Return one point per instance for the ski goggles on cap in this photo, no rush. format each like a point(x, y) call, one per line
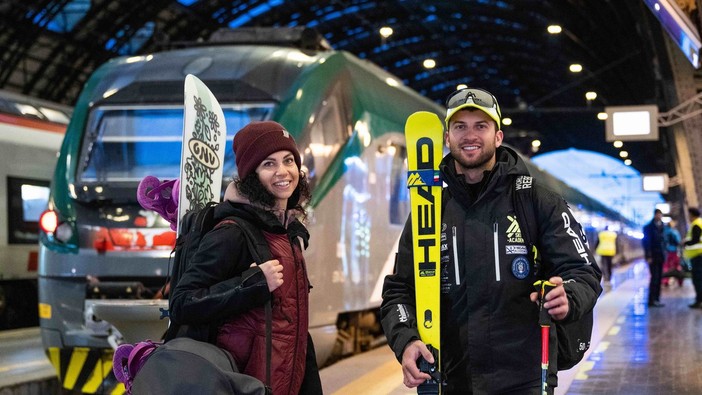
point(473, 97)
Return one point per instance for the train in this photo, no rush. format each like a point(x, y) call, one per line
point(31, 132)
point(347, 116)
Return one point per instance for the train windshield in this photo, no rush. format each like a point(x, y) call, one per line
point(125, 144)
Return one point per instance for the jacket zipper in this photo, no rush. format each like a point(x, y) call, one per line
point(297, 292)
point(455, 257)
point(497, 252)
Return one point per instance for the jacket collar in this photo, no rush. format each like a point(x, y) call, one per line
point(508, 164)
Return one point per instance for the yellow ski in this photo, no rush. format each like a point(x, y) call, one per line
point(424, 137)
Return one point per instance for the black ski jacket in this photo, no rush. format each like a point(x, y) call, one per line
point(490, 336)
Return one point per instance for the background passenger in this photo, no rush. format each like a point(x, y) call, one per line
point(693, 252)
point(654, 250)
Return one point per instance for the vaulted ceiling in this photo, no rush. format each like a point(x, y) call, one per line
point(48, 48)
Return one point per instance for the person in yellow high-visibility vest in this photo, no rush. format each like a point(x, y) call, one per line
point(693, 252)
point(606, 249)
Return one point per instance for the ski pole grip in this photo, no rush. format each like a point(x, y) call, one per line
point(543, 287)
point(430, 386)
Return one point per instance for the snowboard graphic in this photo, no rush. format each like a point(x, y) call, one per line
point(204, 138)
point(424, 137)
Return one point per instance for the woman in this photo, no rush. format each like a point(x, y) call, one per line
point(672, 266)
point(221, 295)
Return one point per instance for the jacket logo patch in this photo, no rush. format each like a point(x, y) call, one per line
point(523, 182)
point(577, 241)
point(402, 312)
point(514, 234)
point(516, 250)
point(520, 267)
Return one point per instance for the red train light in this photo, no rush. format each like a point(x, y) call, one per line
point(48, 221)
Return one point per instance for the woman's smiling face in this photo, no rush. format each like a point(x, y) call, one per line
point(279, 174)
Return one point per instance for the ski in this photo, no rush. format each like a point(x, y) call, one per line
point(202, 157)
point(424, 138)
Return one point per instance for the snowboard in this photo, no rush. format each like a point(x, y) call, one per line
point(424, 138)
point(202, 156)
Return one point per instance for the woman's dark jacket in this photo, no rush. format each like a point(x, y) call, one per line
point(490, 336)
point(221, 297)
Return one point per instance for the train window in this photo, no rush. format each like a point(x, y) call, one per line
point(129, 143)
point(28, 110)
point(27, 199)
point(54, 115)
point(399, 194)
point(326, 135)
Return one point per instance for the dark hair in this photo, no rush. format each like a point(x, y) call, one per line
point(251, 188)
point(693, 211)
point(657, 211)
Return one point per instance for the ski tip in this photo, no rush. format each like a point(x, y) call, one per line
point(424, 122)
point(424, 117)
point(191, 77)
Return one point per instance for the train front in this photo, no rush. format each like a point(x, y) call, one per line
point(98, 246)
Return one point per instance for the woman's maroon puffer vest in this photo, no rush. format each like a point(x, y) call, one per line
point(244, 336)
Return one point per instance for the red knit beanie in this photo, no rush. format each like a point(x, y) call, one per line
point(255, 141)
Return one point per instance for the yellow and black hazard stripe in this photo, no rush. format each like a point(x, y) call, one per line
point(84, 369)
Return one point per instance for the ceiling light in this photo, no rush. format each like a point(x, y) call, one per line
point(554, 29)
point(507, 121)
point(429, 63)
point(590, 95)
point(602, 116)
point(627, 162)
point(386, 31)
point(575, 68)
point(623, 154)
point(618, 144)
point(536, 143)
point(461, 86)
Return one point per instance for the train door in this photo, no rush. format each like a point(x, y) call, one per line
point(26, 199)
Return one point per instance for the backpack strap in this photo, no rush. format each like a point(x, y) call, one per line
point(260, 250)
point(258, 246)
point(523, 202)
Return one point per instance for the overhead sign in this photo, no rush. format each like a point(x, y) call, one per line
point(655, 182)
point(631, 123)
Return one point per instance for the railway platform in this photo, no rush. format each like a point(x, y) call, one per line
point(635, 350)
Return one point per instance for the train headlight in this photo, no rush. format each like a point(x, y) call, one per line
point(48, 221)
point(49, 224)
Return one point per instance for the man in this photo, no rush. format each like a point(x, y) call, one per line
point(654, 251)
point(693, 252)
point(490, 336)
point(606, 248)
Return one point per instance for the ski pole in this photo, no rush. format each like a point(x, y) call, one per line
point(542, 287)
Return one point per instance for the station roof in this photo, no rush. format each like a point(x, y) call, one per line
point(49, 48)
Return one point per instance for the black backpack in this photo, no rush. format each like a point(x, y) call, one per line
point(193, 227)
point(140, 366)
point(573, 337)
